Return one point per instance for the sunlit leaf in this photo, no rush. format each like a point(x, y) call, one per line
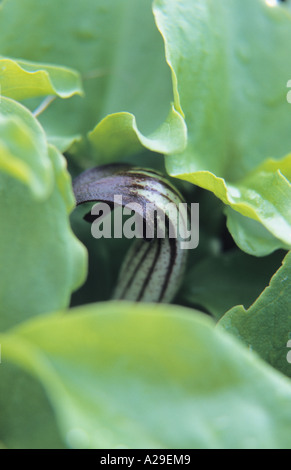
point(21, 80)
point(23, 148)
point(151, 377)
point(41, 261)
point(115, 46)
point(236, 118)
point(117, 135)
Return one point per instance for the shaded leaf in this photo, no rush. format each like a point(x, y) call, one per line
point(219, 282)
point(266, 326)
point(27, 419)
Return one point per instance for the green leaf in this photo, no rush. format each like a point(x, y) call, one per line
point(117, 135)
point(236, 118)
point(113, 44)
point(27, 419)
point(23, 148)
point(144, 376)
point(219, 282)
point(266, 326)
point(265, 195)
point(20, 80)
point(251, 236)
point(41, 261)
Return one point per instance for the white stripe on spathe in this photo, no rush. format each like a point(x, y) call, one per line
point(153, 268)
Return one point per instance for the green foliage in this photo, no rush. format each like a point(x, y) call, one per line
point(218, 282)
point(204, 83)
point(134, 376)
point(94, 38)
point(21, 80)
point(270, 315)
point(24, 153)
point(27, 418)
point(41, 261)
point(117, 135)
point(234, 103)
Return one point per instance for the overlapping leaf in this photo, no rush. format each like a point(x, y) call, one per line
point(266, 326)
point(217, 283)
point(113, 44)
point(27, 419)
point(20, 80)
point(235, 117)
point(181, 383)
point(250, 235)
point(23, 148)
point(140, 376)
point(230, 65)
point(117, 136)
point(41, 261)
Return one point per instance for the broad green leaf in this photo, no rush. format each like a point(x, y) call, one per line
point(219, 282)
point(41, 261)
point(115, 46)
point(117, 135)
point(23, 148)
point(26, 417)
point(144, 376)
point(266, 326)
point(21, 80)
point(236, 118)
